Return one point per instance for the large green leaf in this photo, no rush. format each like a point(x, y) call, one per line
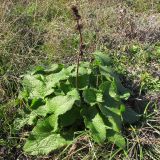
point(42, 127)
point(106, 72)
point(116, 138)
point(130, 116)
point(113, 91)
point(41, 111)
point(94, 122)
point(21, 122)
point(53, 79)
point(43, 140)
point(54, 68)
point(92, 96)
point(117, 95)
point(36, 86)
point(43, 70)
point(125, 95)
point(30, 119)
point(108, 100)
point(102, 58)
point(36, 102)
point(38, 70)
point(69, 117)
point(113, 115)
point(110, 76)
point(44, 144)
point(65, 86)
point(33, 86)
point(74, 93)
point(58, 106)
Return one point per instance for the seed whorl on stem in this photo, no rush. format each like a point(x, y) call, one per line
point(79, 27)
point(75, 12)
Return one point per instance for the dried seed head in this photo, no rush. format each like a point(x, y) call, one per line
point(83, 46)
point(79, 26)
point(78, 17)
point(76, 13)
point(74, 9)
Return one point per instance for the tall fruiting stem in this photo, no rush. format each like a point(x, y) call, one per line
point(79, 27)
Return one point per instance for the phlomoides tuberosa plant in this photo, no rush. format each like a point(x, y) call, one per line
point(61, 100)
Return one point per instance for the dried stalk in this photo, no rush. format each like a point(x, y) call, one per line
point(79, 28)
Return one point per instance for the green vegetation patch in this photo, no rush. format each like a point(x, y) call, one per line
point(57, 108)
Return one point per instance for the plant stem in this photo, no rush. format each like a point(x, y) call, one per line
point(81, 46)
point(80, 51)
